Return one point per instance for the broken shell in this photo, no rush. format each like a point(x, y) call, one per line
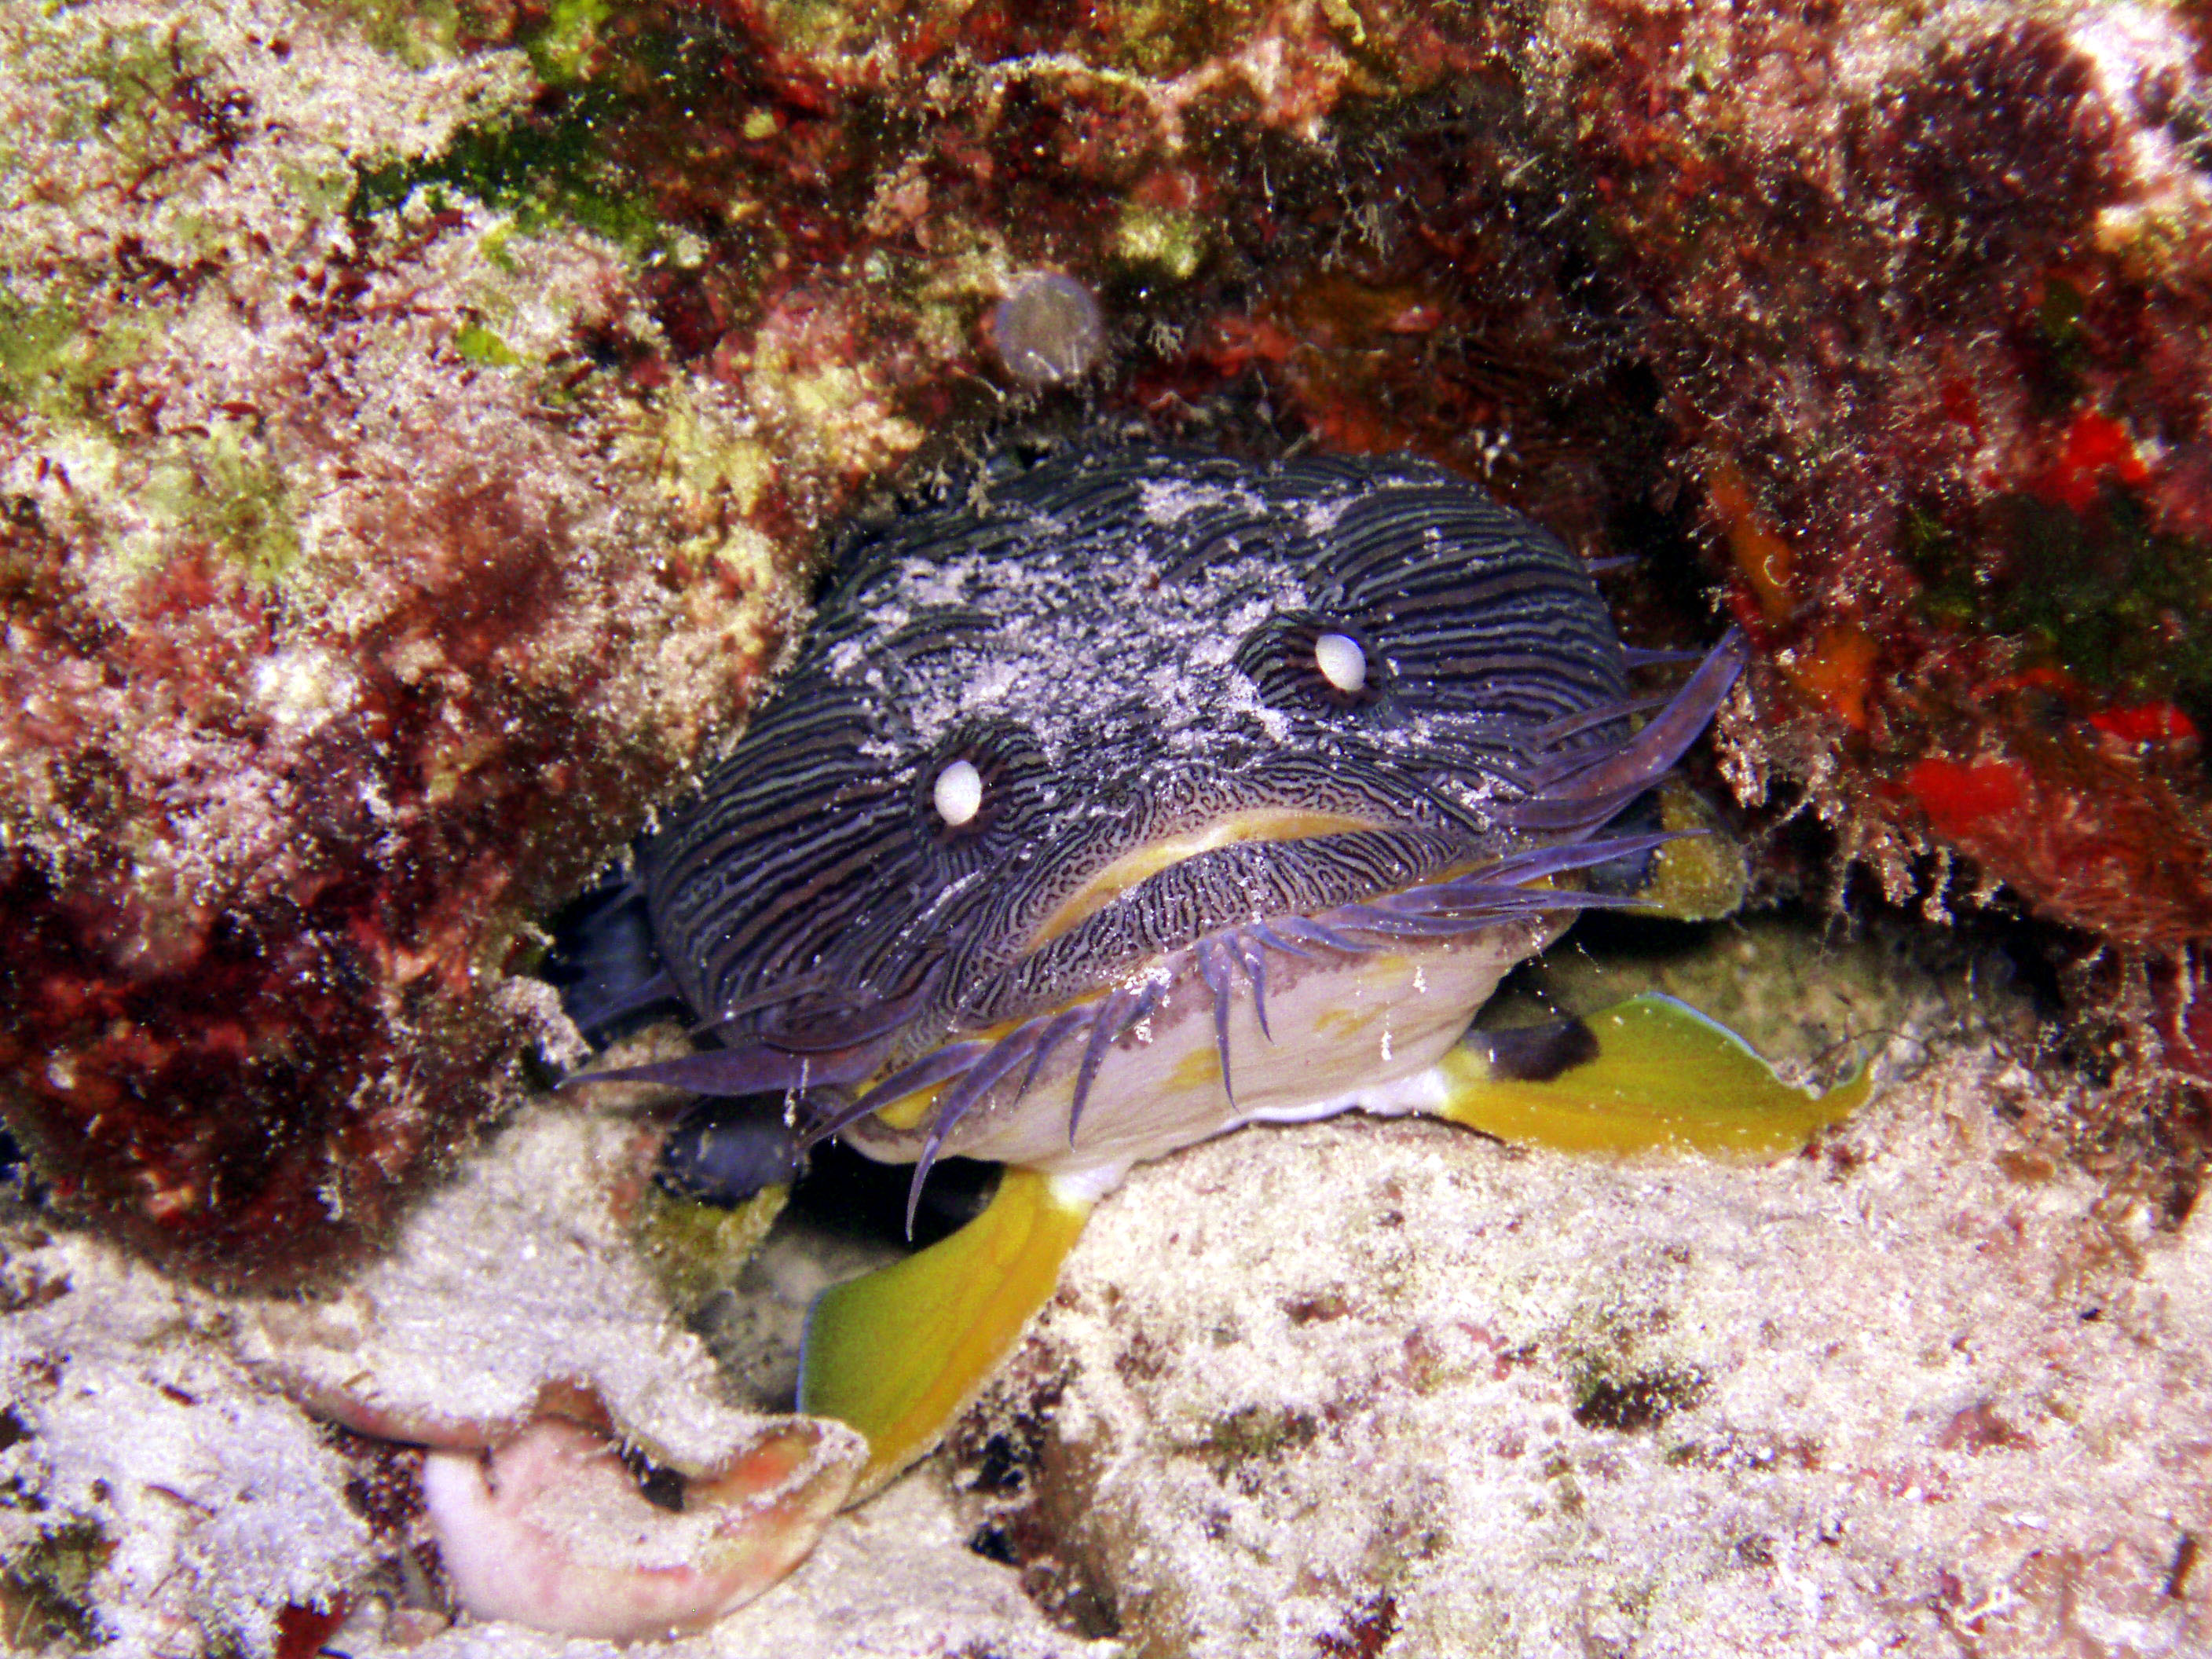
point(552, 1530)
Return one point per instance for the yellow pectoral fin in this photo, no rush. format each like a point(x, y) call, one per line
point(1651, 1073)
point(899, 1353)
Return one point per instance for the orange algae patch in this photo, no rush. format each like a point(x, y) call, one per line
point(1837, 672)
point(1762, 558)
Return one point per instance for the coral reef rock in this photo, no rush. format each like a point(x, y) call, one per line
point(1929, 315)
point(353, 607)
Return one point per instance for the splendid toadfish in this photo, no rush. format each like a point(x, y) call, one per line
point(1137, 795)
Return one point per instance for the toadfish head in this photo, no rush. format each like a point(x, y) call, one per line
point(1141, 793)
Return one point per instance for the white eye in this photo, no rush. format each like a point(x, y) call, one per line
point(1341, 662)
point(958, 795)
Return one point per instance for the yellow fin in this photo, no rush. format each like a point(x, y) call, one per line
point(1663, 1075)
point(898, 1352)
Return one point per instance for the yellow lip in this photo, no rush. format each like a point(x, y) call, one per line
point(1261, 824)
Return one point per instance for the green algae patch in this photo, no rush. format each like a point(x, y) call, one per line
point(1159, 242)
point(2091, 587)
point(56, 350)
point(1651, 1073)
point(829, 29)
point(122, 94)
point(547, 174)
point(2117, 603)
point(562, 52)
point(695, 1250)
point(225, 490)
point(587, 153)
point(35, 348)
point(418, 33)
point(1166, 37)
point(46, 1590)
point(480, 345)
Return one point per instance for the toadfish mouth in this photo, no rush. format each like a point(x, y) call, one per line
point(1282, 1016)
point(1133, 869)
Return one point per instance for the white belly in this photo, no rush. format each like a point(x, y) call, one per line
point(1345, 1030)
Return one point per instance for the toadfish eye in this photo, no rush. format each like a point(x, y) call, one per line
point(1341, 662)
point(1306, 664)
point(958, 795)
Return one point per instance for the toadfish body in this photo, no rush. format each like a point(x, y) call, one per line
point(1126, 797)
